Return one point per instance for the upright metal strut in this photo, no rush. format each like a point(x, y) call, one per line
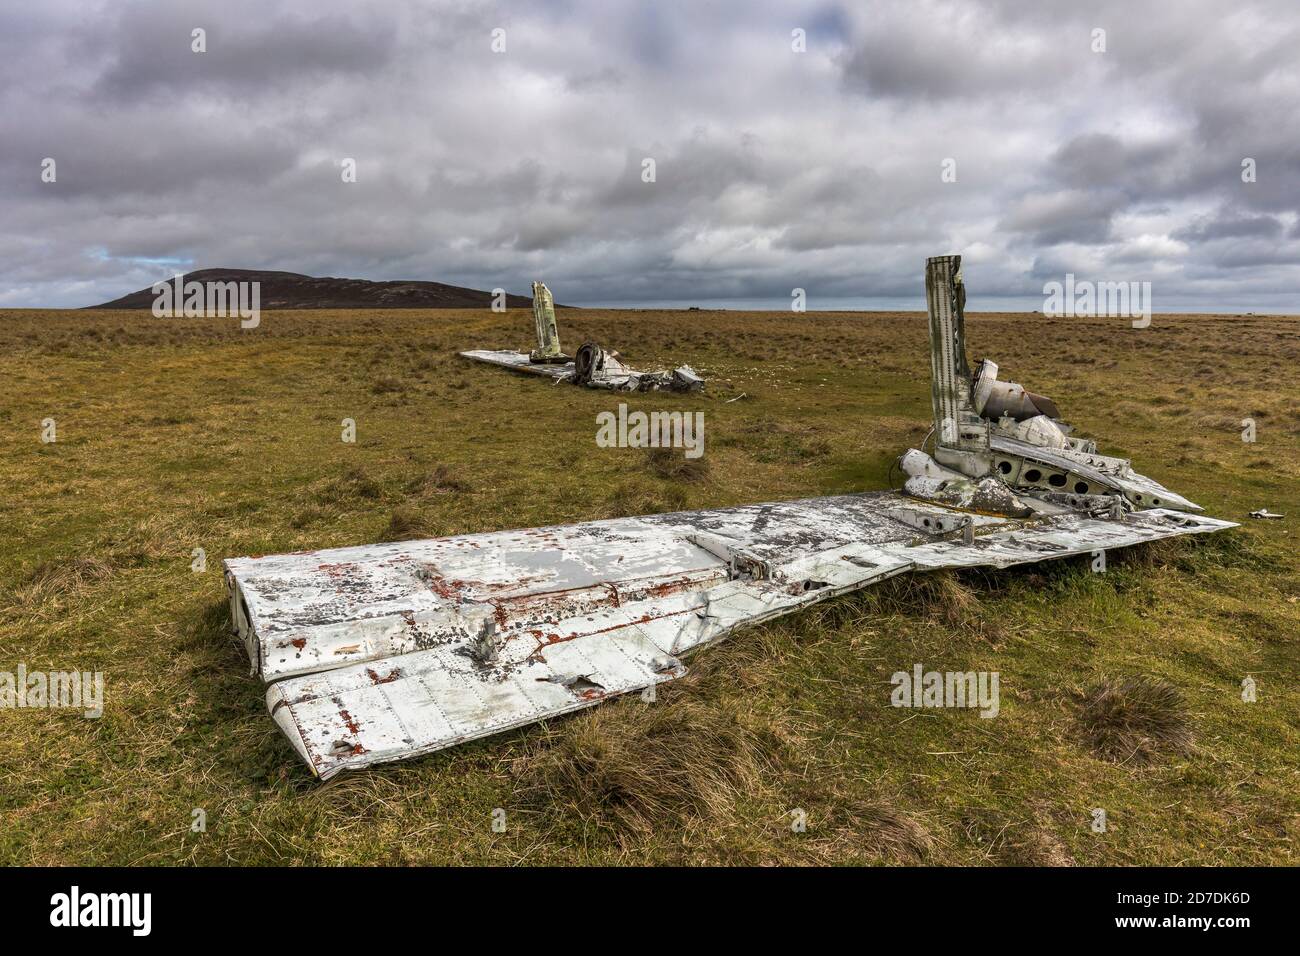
point(950, 375)
point(548, 336)
point(959, 429)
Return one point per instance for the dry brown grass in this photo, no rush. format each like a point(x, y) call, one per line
point(1036, 845)
point(62, 579)
point(441, 480)
point(672, 465)
point(946, 598)
point(1135, 719)
point(639, 766)
point(408, 523)
point(877, 829)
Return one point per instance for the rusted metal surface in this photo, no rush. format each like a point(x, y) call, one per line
point(389, 651)
point(375, 653)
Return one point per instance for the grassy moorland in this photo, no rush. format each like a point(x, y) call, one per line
point(176, 434)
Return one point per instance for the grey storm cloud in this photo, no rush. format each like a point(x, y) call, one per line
point(774, 169)
point(150, 51)
point(1228, 225)
point(1082, 216)
point(934, 52)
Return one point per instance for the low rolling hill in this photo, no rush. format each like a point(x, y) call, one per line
point(291, 290)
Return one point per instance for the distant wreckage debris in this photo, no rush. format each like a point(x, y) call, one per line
point(592, 365)
point(386, 652)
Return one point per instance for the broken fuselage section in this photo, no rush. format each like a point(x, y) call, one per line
point(592, 366)
point(385, 652)
point(1000, 448)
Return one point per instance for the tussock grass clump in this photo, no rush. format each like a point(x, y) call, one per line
point(638, 767)
point(408, 524)
point(773, 441)
point(62, 578)
point(938, 596)
point(946, 598)
point(386, 385)
point(673, 465)
point(440, 481)
point(1011, 839)
point(642, 497)
point(1135, 719)
point(1150, 555)
point(895, 834)
point(884, 830)
point(1036, 845)
point(352, 484)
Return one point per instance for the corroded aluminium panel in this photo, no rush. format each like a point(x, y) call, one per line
point(384, 657)
point(520, 362)
point(403, 706)
point(1098, 471)
point(317, 610)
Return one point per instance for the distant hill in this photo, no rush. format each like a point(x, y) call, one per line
point(289, 290)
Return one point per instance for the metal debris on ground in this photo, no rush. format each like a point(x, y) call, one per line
point(385, 652)
point(592, 365)
point(997, 438)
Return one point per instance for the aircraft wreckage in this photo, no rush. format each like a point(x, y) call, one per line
point(592, 365)
point(385, 652)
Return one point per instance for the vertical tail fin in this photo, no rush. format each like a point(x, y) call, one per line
point(956, 423)
point(548, 336)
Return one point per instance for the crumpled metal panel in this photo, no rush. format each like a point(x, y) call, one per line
point(612, 375)
point(376, 654)
point(319, 610)
point(520, 362)
point(1098, 471)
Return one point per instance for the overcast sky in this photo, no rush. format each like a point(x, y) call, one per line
point(774, 169)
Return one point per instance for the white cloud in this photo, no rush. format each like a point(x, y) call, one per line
point(775, 168)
